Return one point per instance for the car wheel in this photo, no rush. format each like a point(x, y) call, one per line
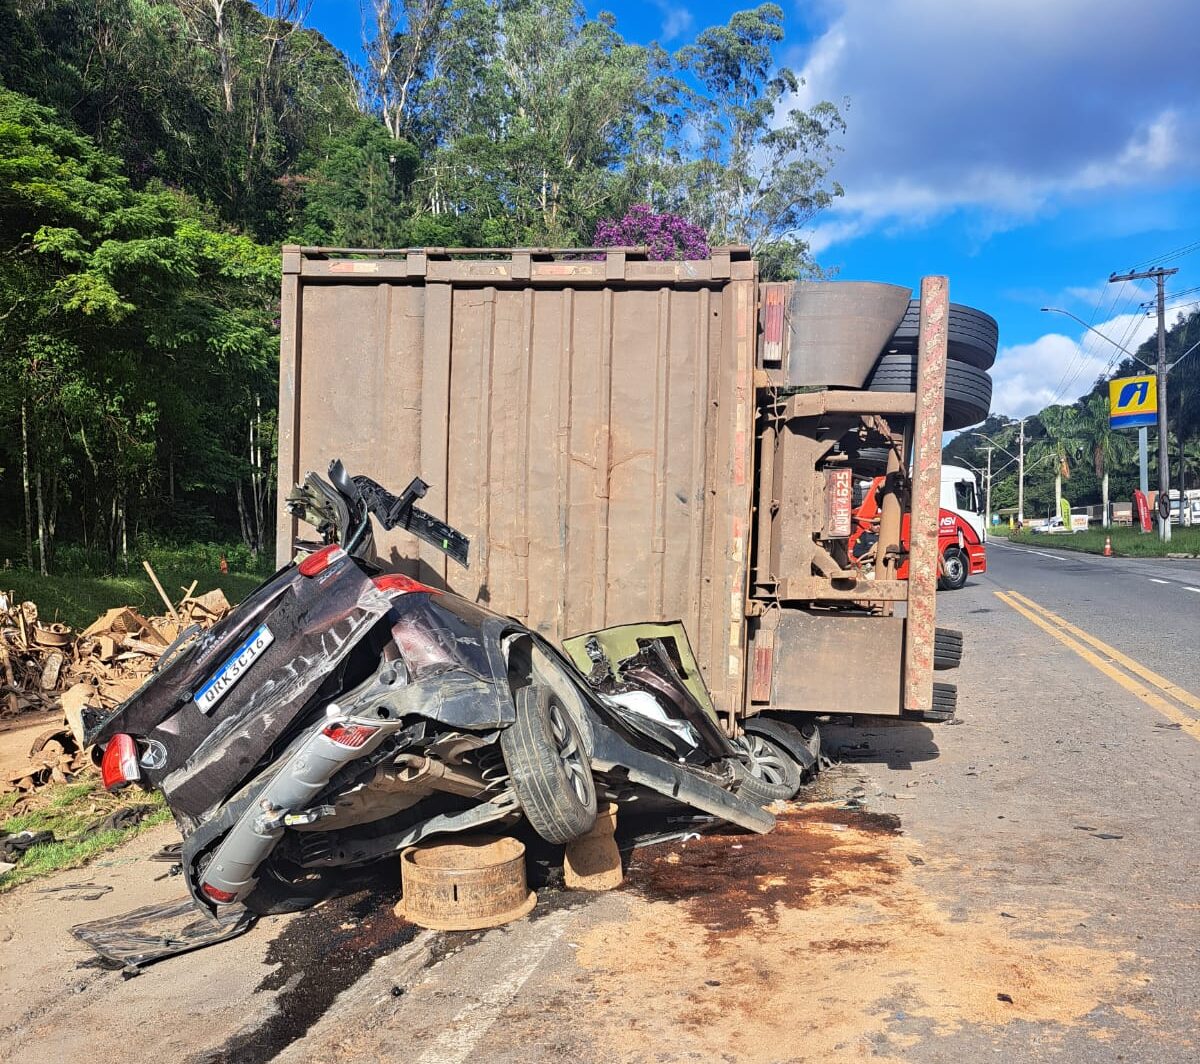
point(955, 569)
point(771, 774)
point(549, 767)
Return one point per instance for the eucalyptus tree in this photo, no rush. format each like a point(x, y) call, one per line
point(760, 169)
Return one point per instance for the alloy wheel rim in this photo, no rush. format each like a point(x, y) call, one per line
point(566, 742)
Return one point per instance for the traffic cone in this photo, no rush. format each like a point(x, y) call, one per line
point(1108, 546)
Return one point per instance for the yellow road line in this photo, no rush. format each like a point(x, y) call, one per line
point(1136, 667)
point(1186, 723)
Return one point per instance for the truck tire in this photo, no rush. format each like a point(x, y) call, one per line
point(945, 703)
point(972, 336)
point(947, 648)
point(872, 460)
point(549, 767)
point(968, 388)
point(955, 569)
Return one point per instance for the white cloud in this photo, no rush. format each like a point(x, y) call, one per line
point(1056, 368)
point(1003, 106)
point(676, 20)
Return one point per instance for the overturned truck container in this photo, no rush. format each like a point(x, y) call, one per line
point(628, 441)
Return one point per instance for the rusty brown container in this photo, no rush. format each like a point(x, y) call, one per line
point(466, 884)
point(586, 419)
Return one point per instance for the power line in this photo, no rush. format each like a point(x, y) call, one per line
point(1169, 256)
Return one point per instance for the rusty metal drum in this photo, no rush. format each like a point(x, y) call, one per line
point(467, 884)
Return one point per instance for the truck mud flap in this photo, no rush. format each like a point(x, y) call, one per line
point(155, 932)
point(611, 752)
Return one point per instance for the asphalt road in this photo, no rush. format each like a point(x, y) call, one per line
point(1021, 886)
point(1146, 607)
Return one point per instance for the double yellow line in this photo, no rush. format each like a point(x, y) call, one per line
point(1115, 665)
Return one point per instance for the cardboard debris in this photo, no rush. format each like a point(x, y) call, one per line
point(50, 667)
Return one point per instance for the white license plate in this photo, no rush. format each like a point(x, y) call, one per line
point(234, 669)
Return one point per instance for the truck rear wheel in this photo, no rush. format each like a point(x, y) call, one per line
point(955, 569)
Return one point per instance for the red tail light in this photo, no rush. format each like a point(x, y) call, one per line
point(399, 584)
point(120, 767)
point(351, 735)
point(320, 560)
point(218, 895)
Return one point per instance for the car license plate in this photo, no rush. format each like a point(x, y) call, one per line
point(234, 669)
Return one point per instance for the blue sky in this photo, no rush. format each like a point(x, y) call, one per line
point(1026, 148)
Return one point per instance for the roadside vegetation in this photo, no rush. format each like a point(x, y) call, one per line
point(155, 154)
point(85, 820)
point(85, 586)
point(1072, 452)
point(1126, 542)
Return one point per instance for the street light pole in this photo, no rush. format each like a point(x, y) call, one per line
point(1021, 476)
point(1164, 458)
point(987, 506)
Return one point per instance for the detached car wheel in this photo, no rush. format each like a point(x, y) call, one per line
point(955, 569)
point(549, 766)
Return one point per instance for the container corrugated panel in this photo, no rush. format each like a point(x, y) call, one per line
point(588, 424)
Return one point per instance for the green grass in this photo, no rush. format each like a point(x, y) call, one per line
point(1126, 542)
point(71, 811)
point(78, 600)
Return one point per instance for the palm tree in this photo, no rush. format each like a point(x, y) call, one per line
point(1109, 447)
point(1064, 439)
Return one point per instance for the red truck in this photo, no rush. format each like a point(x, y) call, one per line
point(962, 536)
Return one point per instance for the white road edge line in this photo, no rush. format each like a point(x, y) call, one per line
point(1188, 587)
point(469, 1026)
point(1153, 580)
point(1027, 550)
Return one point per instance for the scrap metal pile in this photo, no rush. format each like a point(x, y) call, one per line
point(48, 667)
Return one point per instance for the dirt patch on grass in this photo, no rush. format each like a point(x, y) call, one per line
point(818, 942)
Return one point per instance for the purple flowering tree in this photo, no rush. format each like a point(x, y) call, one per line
point(667, 236)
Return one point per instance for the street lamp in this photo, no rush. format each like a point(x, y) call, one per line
point(1020, 460)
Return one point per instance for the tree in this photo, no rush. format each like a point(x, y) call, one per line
point(763, 168)
point(399, 37)
point(667, 236)
point(1062, 443)
point(118, 306)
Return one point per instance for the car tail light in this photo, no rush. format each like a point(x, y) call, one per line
point(119, 766)
point(399, 584)
point(317, 562)
point(218, 895)
point(351, 735)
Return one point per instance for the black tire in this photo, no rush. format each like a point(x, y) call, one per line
point(968, 388)
point(972, 336)
point(870, 459)
point(773, 773)
point(549, 767)
point(947, 648)
point(955, 570)
point(945, 702)
point(284, 887)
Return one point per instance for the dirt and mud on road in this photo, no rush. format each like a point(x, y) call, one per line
point(1017, 887)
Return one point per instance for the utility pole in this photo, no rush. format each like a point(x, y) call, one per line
point(987, 506)
point(1021, 476)
point(1164, 458)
